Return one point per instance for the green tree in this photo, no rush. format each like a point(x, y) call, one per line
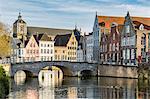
point(4, 83)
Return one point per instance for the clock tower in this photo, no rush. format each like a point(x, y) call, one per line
point(20, 28)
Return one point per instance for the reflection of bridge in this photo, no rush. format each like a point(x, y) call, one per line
point(68, 68)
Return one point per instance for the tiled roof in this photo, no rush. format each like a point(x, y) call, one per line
point(45, 38)
point(62, 40)
point(48, 31)
point(137, 25)
point(120, 27)
point(108, 20)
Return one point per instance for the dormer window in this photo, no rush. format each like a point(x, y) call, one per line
point(127, 29)
point(141, 27)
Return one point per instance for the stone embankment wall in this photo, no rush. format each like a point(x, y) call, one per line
point(118, 71)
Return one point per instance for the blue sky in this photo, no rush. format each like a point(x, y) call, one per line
point(67, 13)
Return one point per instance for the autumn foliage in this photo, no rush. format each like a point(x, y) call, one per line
point(5, 41)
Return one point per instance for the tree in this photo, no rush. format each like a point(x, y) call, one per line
point(5, 41)
point(4, 83)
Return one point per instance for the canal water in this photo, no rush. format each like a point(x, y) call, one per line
point(52, 87)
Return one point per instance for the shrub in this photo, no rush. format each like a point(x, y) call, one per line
point(4, 83)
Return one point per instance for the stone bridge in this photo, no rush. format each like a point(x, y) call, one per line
point(68, 68)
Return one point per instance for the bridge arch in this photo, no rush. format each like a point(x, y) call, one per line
point(66, 71)
point(86, 72)
point(27, 73)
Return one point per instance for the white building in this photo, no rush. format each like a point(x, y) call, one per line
point(80, 54)
point(89, 48)
point(46, 47)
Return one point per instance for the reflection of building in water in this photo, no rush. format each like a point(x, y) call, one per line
point(77, 92)
point(48, 79)
point(51, 77)
point(21, 94)
point(113, 92)
point(17, 95)
point(20, 77)
point(72, 93)
point(46, 93)
point(32, 94)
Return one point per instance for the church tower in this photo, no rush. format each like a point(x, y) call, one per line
point(20, 28)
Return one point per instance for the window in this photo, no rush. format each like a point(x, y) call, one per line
point(44, 51)
point(132, 54)
point(51, 51)
point(41, 50)
point(63, 51)
point(41, 45)
point(113, 57)
point(37, 51)
point(34, 45)
point(114, 47)
point(124, 53)
point(31, 45)
point(56, 57)
point(117, 47)
point(113, 36)
point(55, 51)
point(143, 39)
point(19, 51)
point(128, 53)
point(110, 48)
point(47, 51)
point(105, 48)
point(21, 28)
point(44, 45)
point(47, 45)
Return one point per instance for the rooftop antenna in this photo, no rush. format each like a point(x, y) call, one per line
point(75, 26)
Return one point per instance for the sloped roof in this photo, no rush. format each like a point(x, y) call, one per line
point(137, 25)
point(62, 40)
point(120, 27)
point(108, 20)
point(36, 39)
point(19, 21)
point(45, 38)
point(48, 31)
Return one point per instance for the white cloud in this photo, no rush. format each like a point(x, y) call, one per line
point(64, 13)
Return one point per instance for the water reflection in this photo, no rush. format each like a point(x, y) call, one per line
point(20, 77)
point(51, 78)
point(73, 88)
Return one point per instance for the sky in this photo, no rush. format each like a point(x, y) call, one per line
point(68, 13)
